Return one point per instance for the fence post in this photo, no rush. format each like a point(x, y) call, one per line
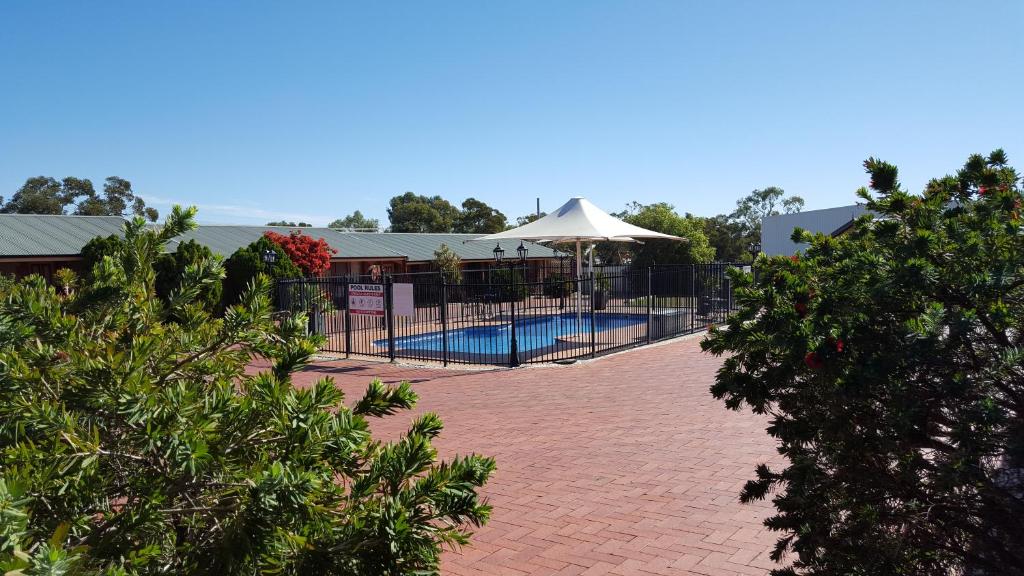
point(693, 297)
point(650, 304)
point(348, 323)
point(513, 351)
point(389, 314)
point(444, 320)
point(593, 327)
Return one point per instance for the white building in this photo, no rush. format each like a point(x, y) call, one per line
point(776, 230)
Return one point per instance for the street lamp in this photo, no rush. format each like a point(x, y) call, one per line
point(522, 251)
point(269, 256)
point(499, 257)
point(755, 249)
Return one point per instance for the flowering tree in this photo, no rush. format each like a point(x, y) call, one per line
point(890, 361)
point(311, 255)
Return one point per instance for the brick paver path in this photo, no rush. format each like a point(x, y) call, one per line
point(622, 465)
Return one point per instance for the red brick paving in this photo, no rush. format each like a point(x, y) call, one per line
point(622, 465)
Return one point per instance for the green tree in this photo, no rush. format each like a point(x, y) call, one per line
point(729, 238)
point(757, 205)
point(662, 217)
point(172, 267)
point(130, 444)
point(356, 221)
point(448, 263)
point(414, 213)
point(889, 360)
point(242, 267)
point(117, 198)
point(477, 217)
point(523, 220)
point(96, 249)
point(289, 224)
point(45, 195)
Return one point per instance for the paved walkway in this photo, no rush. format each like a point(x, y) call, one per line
point(622, 465)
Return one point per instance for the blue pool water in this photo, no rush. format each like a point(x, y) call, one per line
point(531, 334)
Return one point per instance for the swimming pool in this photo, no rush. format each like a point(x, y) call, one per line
point(532, 333)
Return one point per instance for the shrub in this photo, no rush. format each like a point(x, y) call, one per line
point(246, 263)
point(312, 256)
point(448, 263)
point(889, 360)
point(94, 251)
point(559, 285)
point(134, 445)
point(509, 284)
point(171, 268)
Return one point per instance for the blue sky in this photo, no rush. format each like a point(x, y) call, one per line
point(304, 110)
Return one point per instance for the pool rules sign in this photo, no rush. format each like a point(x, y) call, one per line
point(366, 299)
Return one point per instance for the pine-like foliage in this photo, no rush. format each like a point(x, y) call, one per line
point(448, 263)
point(890, 361)
point(130, 444)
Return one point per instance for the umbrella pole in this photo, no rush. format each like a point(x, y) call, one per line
point(579, 278)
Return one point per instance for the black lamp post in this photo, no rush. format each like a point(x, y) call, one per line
point(499, 255)
point(269, 256)
point(755, 249)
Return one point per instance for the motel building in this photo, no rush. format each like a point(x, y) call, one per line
point(42, 244)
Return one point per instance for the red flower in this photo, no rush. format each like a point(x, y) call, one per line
point(795, 257)
point(801, 309)
point(814, 360)
point(982, 190)
point(312, 256)
point(840, 345)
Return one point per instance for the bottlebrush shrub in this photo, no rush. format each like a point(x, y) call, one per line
point(312, 255)
point(896, 392)
point(134, 445)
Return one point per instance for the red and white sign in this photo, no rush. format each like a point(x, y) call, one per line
point(366, 299)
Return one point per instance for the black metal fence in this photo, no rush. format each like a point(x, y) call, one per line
point(508, 316)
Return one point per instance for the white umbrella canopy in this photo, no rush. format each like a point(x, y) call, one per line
point(578, 219)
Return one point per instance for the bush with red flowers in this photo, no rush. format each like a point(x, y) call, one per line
point(897, 398)
point(814, 360)
point(312, 255)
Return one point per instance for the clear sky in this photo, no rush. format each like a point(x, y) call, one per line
point(302, 110)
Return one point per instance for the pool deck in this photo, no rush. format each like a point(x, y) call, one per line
point(620, 465)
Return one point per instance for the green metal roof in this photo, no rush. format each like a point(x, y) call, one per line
point(224, 240)
point(420, 247)
point(51, 234)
